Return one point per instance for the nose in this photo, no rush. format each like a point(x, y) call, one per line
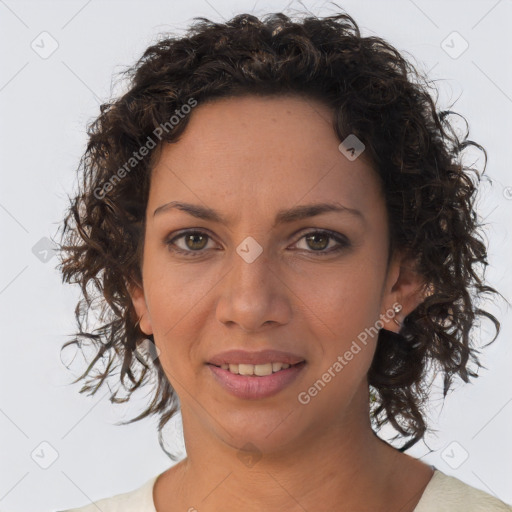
point(253, 295)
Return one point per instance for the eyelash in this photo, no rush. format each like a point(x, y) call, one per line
point(342, 241)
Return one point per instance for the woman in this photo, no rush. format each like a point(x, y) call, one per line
point(283, 233)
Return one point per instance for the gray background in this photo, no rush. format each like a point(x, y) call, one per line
point(46, 102)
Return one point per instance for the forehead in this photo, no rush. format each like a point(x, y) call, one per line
point(251, 151)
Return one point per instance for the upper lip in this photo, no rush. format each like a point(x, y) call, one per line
point(260, 357)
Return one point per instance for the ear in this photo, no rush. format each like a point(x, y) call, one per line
point(138, 298)
point(404, 290)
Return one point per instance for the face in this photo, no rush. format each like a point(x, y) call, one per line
point(250, 277)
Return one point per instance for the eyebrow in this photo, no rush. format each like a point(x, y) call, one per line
point(282, 217)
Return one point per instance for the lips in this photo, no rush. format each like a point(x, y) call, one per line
point(257, 380)
point(255, 358)
point(252, 387)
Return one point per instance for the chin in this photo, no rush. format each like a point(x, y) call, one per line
point(259, 429)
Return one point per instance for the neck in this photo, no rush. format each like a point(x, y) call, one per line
point(341, 468)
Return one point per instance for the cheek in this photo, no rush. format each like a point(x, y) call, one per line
point(346, 337)
point(347, 303)
point(175, 298)
point(175, 289)
point(347, 297)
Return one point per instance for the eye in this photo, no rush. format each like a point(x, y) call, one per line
point(318, 242)
point(193, 241)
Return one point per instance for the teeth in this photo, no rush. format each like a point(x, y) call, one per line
point(276, 367)
point(246, 369)
point(260, 370)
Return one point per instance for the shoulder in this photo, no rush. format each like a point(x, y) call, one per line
point(449, 494)
point(137, 500)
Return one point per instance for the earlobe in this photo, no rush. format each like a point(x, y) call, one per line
point(141, 309)
point(397, 307)
point(404, 293)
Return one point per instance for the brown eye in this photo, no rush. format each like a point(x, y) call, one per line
point(191, 243)
point(195, 241)
point(318, 242)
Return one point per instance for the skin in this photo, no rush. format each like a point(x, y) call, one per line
point(247, 158)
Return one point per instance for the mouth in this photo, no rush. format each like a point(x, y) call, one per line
point(255, 382)
point(253, 375)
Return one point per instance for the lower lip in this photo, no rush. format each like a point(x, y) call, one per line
point(250, 387)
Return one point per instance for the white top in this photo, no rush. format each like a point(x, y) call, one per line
point(443, 493)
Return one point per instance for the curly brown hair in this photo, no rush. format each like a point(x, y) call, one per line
point(376, 95)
